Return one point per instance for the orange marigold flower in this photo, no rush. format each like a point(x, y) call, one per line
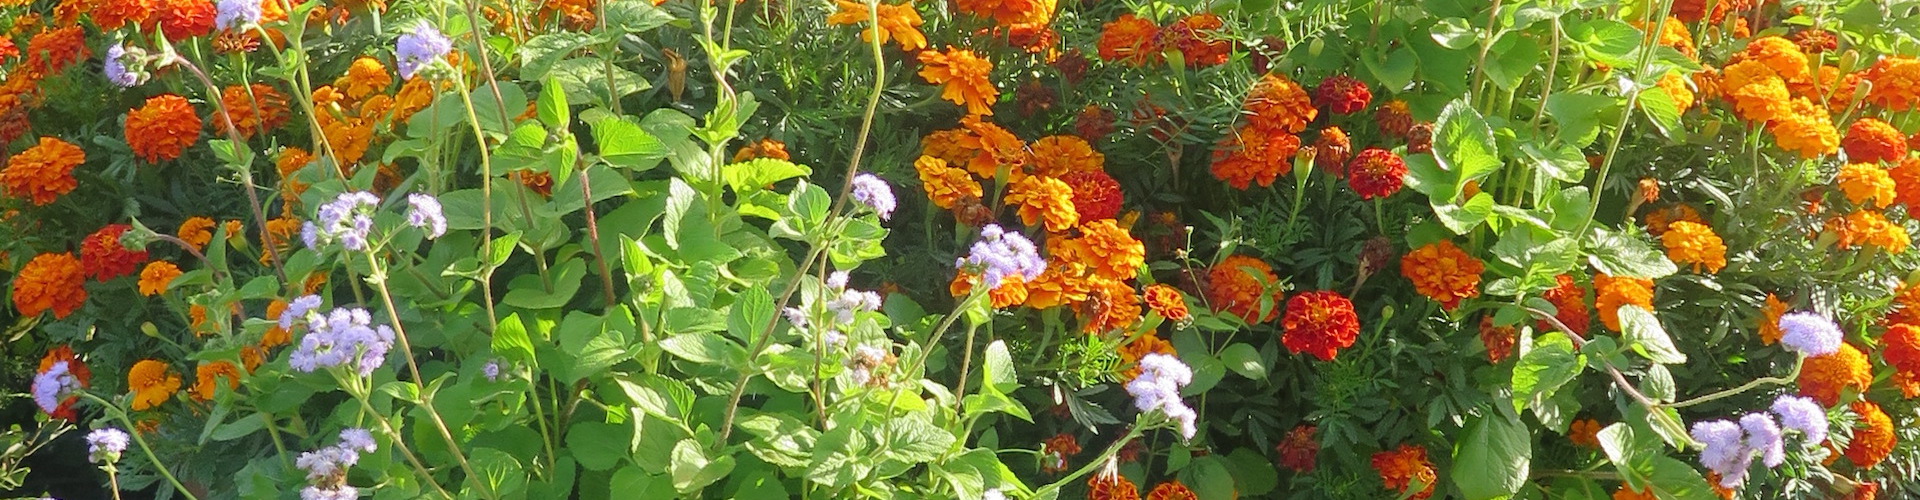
point(1659, 219)
point(945, 185)
point(1778, 54)
point(1896, 83)
point(1299, 451)
point(1111, 487)
point(985, 148)
point(207, 379)
point(1107, 249)
point(1867, 228)
point(1058, 449)
point(1063, 283)
point(1395, 118)
point(1611, 293)
point(1011, 292)
point(1906, 305)
point(1319, 323)
point(1673, 33)
point(1044, 198)
point(44, 172)
point(899, 22)
point(1376, 173)
point(1011, 12)
point(1332, 151)
point(1770, 320)
point(1167, 301)
point(1906, 183)
point(1873, 439)
point(75, 367)
point(1131, 353)
point(1059, 155)
point(1585, 433)
point(1626, 493)
point(275, 336)
point(156, 277)
point(252, 356)
point(1244, 286)
point(50, 282)
point(1403, 468)
point(1173, 489)
point(1497, 339)
point(1676, 86)
point(1866, 185)
point(1570, 305)
point(1253, 154)
point(1908, 382)
point(1692, 243)
point(1871, 141)
point(152, 383)
point(350, 138)
point(1095, 195)
point(1198, 38)
point(763, 148)
point(1691, 11)
point(182, 19)
point(52, 51)
point(965, 78)
point(1130, 39)
point(105, 258)
point(1443, 272)
point(1902, 351)
point(1806, 129)
point(1343, 94)
point(1277, 103)
point(254, 108)
point(572, 14)
point(279, 236)
point(1815, 40)
point(365, 77)
point(162, 128)
point(1111, 305)
point(111, 16)
point(1824, 378)
point(1761, 101)
point(196, 231)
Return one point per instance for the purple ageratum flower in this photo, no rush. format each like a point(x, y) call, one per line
point(326, 462)
point(1726, 451)
point(1157, 388)
point(53, 386)
point(347, 219)
point(336, 492)
point(234, 14)
point(875, 193)
point(1802, 414)
point(345, 337)
point(105, 445)
point(358, 439)
point(297, 310)
point(999, 254)
point(1809, 333)
point(423, 211)
point(1763, 436)
point(116, 67)
point(491, 370)
point(420, 47)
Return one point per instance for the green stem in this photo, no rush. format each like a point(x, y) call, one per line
point(966, 365)
point(379, 279)
point(1620, 130)
point(1097, 462)
point(400, 443)
point(134, 430)
point(1756, 383)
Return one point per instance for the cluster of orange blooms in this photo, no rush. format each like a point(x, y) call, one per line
point(1403, 468)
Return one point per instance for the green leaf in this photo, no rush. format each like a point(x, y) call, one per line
point(635, 17)
point(661, 397)
point(1559, 161)
point(599, 445)
point(1425, 176)
point(1665, 112)
point(1463, 143)
point(510, 340)
point(529, 294)
point(624, 144)
point(780, 439)
point(1455, 33)
point(1514, 57)
point(1643, 331)
point(1243, 359)
point(1464, 217)
point(1676, 480)
point(705, 348)
point(239, 428)
point(998, 371)
point(539, 54)
point(758, 173)
point(1606, 41)
point(692, 470)
point(1210, 478)
point(1550, 364)
point(1492, 459)
point(751, 313)
point(552, 106)
point(913, 440)
point(1630, 452)
point(585, 79)
point(1622, 256)
point(1579, 116)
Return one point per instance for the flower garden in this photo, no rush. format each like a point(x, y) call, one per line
point(975, 249)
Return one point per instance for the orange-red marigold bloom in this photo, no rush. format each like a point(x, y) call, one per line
point(1585, 432)
point(1252, 154)
point(155, 278)
point(105, 258)
point(44, 172)
point(1825, 378)
point(1867, 185)
point(1239, 284)
point(1870, 140)
point(1611, 293)
point(1319, 323)
point(196, 231)
point(1111, 487)
point(1095, 195)
point(1497, 339)
point(1395, 118)
point(183, 19)
point(1906, 182)
point(1278, 103)
point(945, 185)
point(50, 282)
point(1166, 300)
point(965, 78)
point(1376, 173)
point(897, 22)
point(1059, 448)
point(1896, 83)
point(1443, 272)
point(1332, 151)
point(264, 110)
point(51, 51)
point(1059, 155)
point(1902, 351)
point(1198, 38)
point(1173, 489)
point(1130, 39)
point(152, 383)
point(1299, 451)
point(1570, 305)
point(1107, 249)
point(207, 379)
point(1806, 129)
point(763, 148)
point(1873, 439)
point(1770, 320)
point(1401, 469)
point(162, 128)
point(1343, 94)
point(114, 15)
point(1044, 199)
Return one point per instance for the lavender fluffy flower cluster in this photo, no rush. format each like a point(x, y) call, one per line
point(845, 302)
point(53, 386)
point(424, 212)
point(347, 219)
point(104, 445)
point(345, 337)
point(870, 190)
point(115, 67)
point(327, 467)
point(866, 358)
point(420, 47)
point(1000, 254)
point(1158, 388)
point(234, 14)
point(1809, 333)
point(1731, 447)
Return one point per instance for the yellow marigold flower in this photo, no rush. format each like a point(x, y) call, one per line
point(1044, 198)
point(1107, 249)
point(207, 379)
point(162, 128)
point(1824, 378)
point(155, 278)
point(965, 78)
point(1806, 129)
point(236, 232)
point(1896, 83)
point(1111, 305)
point(1866, 185)
point(1240, 284)
point(152, 384)
point(1676, 87)
point(1867, 228)
point(196, 231)
point(1278, 103)
point(1770, 320)
point(1443, 272)
point(1059, 155)
point(1693, 243)
point(896, 22)
point(44, 172)
point(364, 78)
point(945, 185)
point(1611, 293)
point(197, 319)
point(1761, 101)
point(50, 282)
point(1779, 54)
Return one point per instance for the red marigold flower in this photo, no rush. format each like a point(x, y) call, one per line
point(76, 368)
point(1332, 151)
point(1376, 173)
point(1112, 486)
point(1585, 432)
point(1443, 272)
point(1299, 451)
point(1570, 305)
point(1131, 40)
point(1093, 123)
point(1073, 67)
point(1896, 83)
point(1173, 489)
point(1197, 38)
point(1033, 98)
point(1824, 378)
point(105, 258)
point(1095, 195)
point(1499, 340)
point(1420, 138)
point(1869, 140)
point(1402, 468)
point(50, 282)
point(1873, 439)
point(51, 51)
point(8, 50)
point(1902, 350)
point(162, 128)
point(43, 172)
point(1319, 323)
point(1906, 305)
point(1166, 301)
point(1815, 40)
point(114, 15)
point(1239, 284)
point(182, 19)
point(1691, 11)
point(1627, 493)
point(1395, 118)
point(1058, 449)
point(1343, 94)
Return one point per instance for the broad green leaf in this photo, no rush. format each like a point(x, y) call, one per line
point(1209, 478)
point(1643, 331)
point(1425, 176)
point(751, 313)
point(1622, 256)
point(1579, 116)
point(1492, 459)
point(1606, 41)
point(539, 54)
point(240, 427)
point(527, 291)
point(598, 445)
point(1243, 359)
point(552, 107)
point(1455, 33)
point(705, 348)
point(510, 340)
point(1465, 217)
point(585, 79)
point(759, 173)
point(661, 397)
point(1464, 144)
point(1514, 57)
point(625, 144)
point(1551, 363)
point(1664, 111)
point(1676, 480)
point(998, 370)
point(1559, 161)
point(912, 440)
point(693, 470)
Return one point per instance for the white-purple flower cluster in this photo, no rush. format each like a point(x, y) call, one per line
point(1802, 414)
point(236, 14)
point(869, 189)
point(865, 359)
point(423, 211)
point(104, 445)
point(327, 467)
point(53, 386)
point(1809, 333)
point(347, 219)
point(491, 370)
point(345, 337)
point(115, 66)
point(993, 494)
point(420, 47)
point(844, 303)
point(1000, 254)
point(297, 310)
point(1158, 388)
